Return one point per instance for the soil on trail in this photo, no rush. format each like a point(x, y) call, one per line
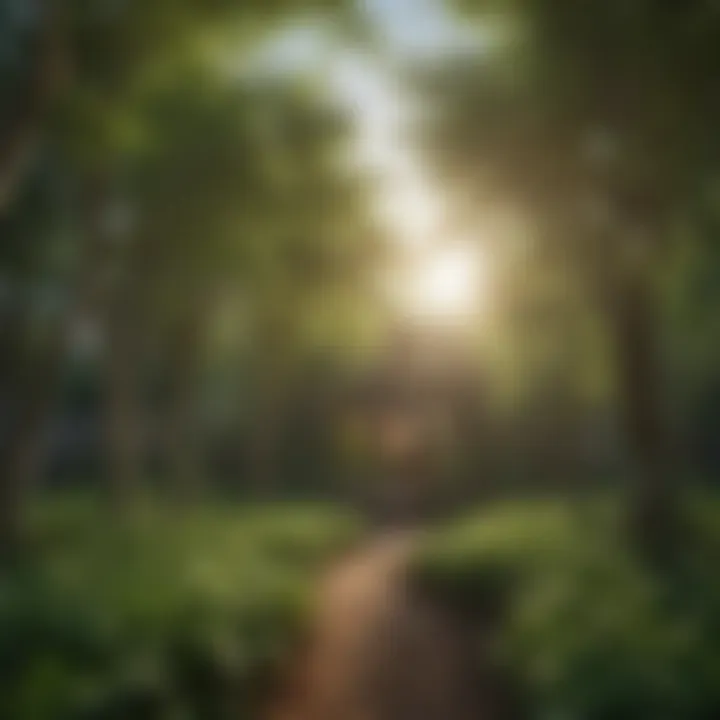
point(377, 651)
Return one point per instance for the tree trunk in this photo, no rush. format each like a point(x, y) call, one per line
point(184, 444)
point(32, 379)
point(643, 419)
point(32, 385)
point(263, 466)
point(123, 419)
point(28, 403)
point(272, 344)
point(31, 389)
point(112, 295)
point(46, 77)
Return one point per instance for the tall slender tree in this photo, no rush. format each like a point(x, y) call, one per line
point(598, 121)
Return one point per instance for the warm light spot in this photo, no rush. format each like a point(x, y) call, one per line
point(444, 285)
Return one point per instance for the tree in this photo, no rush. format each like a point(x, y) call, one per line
point(34, 78)
point(74, 91)
point(602, 131)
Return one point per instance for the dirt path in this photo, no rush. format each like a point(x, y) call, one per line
point(378, 652)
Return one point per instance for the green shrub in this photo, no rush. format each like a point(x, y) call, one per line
point(171, 616)
point(588, 630)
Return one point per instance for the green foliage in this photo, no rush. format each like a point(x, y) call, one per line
point(170, 616)
point(589, 631)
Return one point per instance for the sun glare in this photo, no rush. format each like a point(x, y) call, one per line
point(445, 285)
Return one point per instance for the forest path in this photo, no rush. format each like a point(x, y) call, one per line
point(379, 652)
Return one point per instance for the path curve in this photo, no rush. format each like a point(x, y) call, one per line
point(377, 651)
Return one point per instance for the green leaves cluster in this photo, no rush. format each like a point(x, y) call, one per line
point(586, 628)
point(175, 616)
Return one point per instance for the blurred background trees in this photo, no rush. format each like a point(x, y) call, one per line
point(597, 124)
point(404, 252)
point(192, 230)
point(183, 192)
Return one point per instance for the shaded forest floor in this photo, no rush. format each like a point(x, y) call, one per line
point(519, 611)
point(379, 648)
point(211, 613)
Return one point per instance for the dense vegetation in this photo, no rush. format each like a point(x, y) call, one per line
point(170, 616)
point(402, 256)
point(582, 624)
point(196, 614)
